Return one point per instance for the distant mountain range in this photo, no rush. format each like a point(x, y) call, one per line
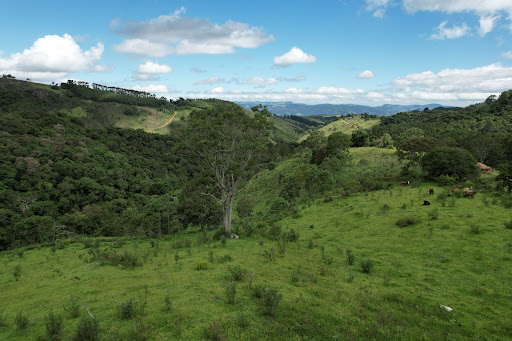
point(290, 108)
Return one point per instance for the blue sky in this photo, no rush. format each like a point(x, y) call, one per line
point(374, 52)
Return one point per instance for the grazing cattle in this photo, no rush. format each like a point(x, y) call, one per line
point(456, 189)
point(470, 194)
point(425, 203)
point(405, 183)
point(430, 191)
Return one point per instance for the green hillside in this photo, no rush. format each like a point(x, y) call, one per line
point(347, 125)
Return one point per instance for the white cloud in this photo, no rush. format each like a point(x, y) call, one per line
point(197, 70)
point(379, 13)
point(52, 57)
point(261, 81)
point(173, 34)
point(453, 32)
point(294, 79)
point(151, 88)
point(218, 90)
point(293, 91)
point(507, 54)
point(467, 85)
point(294, 56)
point(379, 6)
point(339, 91)
point(367, 74)
point(210, 81)
point(487, 24)
point(153, 68)
point(144, 47)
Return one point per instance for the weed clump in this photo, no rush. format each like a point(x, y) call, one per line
point(406, 221)
point(350, 257)
point(474, 228)
point(367, 266)
point(17, 272)
point(270, 298)
point(126, 309)
point(236, 273)
point(53, 326)
point(225, 258)
point(87, 330)
point(508, 225)
point(21, 321)
point(433, 214)
point(72, 307)
point(201, 265)
point(231, 292)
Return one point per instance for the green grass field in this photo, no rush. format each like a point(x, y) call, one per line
point(345, 128)
point(456, 253)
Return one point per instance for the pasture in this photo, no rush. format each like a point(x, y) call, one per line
point(406, 261)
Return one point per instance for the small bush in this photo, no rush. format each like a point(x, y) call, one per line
point(508, 224)
point(21, 321)
point(474, 228)
point(217, 331)
point(17, 272)
point(367, 266)
point(72, 307)
point(350, 257)
point(87, 330)
point(406, 221)
point(201, 265)
point(167, 303)
point(291, 236)
point(433, 214)
point(242, 320)
point(126, 310)
point(236, 273)
point(350, 278)
point(231, 292)
point(53, 326)
point(271, 298)
point(225, 258)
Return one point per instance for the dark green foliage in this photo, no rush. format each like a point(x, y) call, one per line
point(72, 307)
point(360, 138)
point(236, 273)
point(87, 330)
point(291, 236)
point(278, 205)
point(449, 161)
point(350, 257)
point(167, 303)
point(53, 323)
point(270, 298)
point(367, 266)
point(126, 310)
point(406, 221)
point(231, 292)
point(225, 258)
point(17, 272)
point(508, 224)
point(21, 321)
point(474, 228)
point(217, 331)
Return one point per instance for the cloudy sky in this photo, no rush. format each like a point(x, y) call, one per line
point(453, 52)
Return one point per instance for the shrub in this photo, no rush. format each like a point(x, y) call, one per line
point(237, 273)
point(225, 258)
point(53, 326)
point(216, 331)
point(433, 214)
point(231, 292)
point(167, 303)
point(508, 224)
point(291, 236)
point(126, 310)
point(271, 298)
point(350, 257)
point(278, 205)
point(21, 321)
point(406, 221)
point(367, 266)
point(87, 330)
point(72, 307)
point(201, 265)
point(17, 272)
point(474, 228)
point(242, 319)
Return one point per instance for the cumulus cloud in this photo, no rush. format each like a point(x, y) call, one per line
point(210, 81)
point(173, 34)
point(151, 88)
point(294, 56)
point(52, 57)
point(149, 69)
point(453, 32)
point(261, 81)
point(456, 84)
point(367, 74)
point(487, 24)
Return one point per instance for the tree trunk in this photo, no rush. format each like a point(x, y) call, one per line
point(228, 210)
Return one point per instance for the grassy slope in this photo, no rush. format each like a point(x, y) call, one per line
point(417, 268)
point(345, 128)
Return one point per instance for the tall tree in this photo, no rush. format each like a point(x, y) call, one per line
point(226, 143)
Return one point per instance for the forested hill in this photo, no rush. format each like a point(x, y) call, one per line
point(477, 128)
